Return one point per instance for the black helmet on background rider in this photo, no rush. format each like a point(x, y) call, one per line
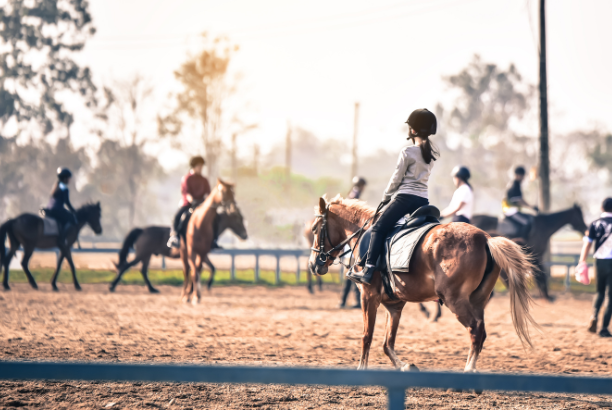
point(461, 172)
point(520, 170)
point(359, 181)
point(63, 173)
point(423, 122)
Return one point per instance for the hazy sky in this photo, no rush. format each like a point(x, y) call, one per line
point(309, 61)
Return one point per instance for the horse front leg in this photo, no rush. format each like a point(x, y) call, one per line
point(185, 294)
point(77, 286)
point(195, 266)
point(370, 300)
point(7, 263)
point(60, 260)
point(145, 275)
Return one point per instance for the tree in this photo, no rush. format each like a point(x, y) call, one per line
point(123, 168)
point(38, 38)
point(205, 92)
point(487, 121)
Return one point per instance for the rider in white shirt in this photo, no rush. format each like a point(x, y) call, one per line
point(461, 206)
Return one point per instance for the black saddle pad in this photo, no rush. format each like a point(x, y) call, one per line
point(422, 216)
point(516, 226)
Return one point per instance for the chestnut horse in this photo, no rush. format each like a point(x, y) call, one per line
point(454, 263)
point(199, 238)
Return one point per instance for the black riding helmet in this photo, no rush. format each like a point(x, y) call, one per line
point(63, 173)
point(423, 122)
point(461, 172)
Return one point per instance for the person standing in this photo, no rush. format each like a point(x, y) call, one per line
point(359, 184)
point(461, 206)
point(600, 233)
point(194, 190)
point(407, 190)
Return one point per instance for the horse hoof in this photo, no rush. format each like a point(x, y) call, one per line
point(7, 287)
point(55, 289)
point(153, 290)
point(78, 288)
point(34, 286)
point(410, 368)
point(311, 291)
point(111, 288)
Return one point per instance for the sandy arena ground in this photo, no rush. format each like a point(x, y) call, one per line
point(280, 326)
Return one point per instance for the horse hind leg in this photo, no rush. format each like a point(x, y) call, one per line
point(120, 273)
point(145, 275)
point(27, 254)
point(472, 318)
point(6, 265)
point(212, 272)
point(60, 260)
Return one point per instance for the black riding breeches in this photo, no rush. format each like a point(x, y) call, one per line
point(61, 215)
point(177, 225)
point(460, 218)
point(603, 269)
point(399, 206)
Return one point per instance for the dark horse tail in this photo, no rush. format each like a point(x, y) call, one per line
point(4, 229)
point(128, 243)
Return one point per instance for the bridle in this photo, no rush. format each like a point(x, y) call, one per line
point(322, 255)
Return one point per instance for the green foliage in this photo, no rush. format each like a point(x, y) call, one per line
point(38, 37)
point(166, 277)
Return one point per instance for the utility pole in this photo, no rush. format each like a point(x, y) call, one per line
point(288, 155)
point(234, 163)
point(544, 153)
point(354, 167)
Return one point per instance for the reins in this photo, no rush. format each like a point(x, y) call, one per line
point(323, 256)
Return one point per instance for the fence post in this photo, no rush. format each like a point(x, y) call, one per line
point(297, 270)
point(277, 278)
point(233, 268)
point(567, 278)
point(256, 267)
point(163, 262)
point(396, 398)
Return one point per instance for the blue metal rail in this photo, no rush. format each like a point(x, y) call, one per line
point(394, 381)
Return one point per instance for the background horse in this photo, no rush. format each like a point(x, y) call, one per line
point(200, 235)
point(456, 263)
point(544, 227)
point(152, 240)
point(27, 230)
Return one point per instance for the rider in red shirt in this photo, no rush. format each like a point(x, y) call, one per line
point(194, 190)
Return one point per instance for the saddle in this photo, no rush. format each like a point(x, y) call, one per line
point(50, 225)
point(400, 243)
point(516, 226)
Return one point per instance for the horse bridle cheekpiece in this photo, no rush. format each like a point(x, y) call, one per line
point(322, 255)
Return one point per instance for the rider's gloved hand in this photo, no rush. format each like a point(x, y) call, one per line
point(535, 208)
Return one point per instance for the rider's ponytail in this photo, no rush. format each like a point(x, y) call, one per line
point(428, 150)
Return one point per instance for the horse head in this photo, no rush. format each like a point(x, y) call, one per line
point(577, 219)
point(91, 214)
point(232, 220)
point(230, 209)
point(326, 231)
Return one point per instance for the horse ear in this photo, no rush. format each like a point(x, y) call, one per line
point(322, 205)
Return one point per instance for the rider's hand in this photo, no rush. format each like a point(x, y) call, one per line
point(535, 208)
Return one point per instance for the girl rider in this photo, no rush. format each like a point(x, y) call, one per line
point(461, 206)
point(407, 189)
point(60, 199)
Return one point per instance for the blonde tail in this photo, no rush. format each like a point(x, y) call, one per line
point(510, 257)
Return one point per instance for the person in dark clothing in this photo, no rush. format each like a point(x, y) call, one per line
point(514, 202)
point(194, 190)
point(59, 206)
point(407, 190)
point(359, 184)
point(600, 233)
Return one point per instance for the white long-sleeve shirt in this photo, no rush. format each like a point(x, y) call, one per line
point(411, 174)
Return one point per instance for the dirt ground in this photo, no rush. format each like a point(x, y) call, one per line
point(274, 326)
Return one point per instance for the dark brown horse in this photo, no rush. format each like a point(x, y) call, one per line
point(456, 263)
point(152, 240)
point(200, 235)
point(27, 231)
point(544, 227)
